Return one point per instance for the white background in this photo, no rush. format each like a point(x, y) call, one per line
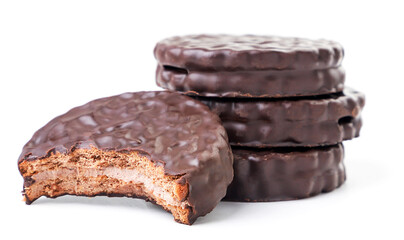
point(55, 55)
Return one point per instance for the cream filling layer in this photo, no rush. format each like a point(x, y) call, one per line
point(130, 176)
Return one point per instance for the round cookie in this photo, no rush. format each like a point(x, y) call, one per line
point(247, 52)
point(161, 146)
point(285, 174)
point(309, 121)
point(263, 83)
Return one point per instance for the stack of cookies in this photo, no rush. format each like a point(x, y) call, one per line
point(282, 102)
point(279, 102)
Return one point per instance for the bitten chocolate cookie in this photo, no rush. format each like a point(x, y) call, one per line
point(309, 121)
point(285, 173)
point(161, 146)
point(249, 66)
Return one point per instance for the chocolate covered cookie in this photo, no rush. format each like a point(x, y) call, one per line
point(285, 173)
point(263, 83)
point(247, 52)
point(309, 121)
point(161, 146)
point(249, 66)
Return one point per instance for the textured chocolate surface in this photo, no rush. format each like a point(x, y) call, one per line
point(263, 83)
point(277, 174)
point(247, 52)
point(175, 131)
point(309, 121)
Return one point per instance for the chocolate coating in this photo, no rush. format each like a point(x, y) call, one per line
point(309, 121)
point(285, 174)
point(247, 52)
point(173, 130)
point(263, 83)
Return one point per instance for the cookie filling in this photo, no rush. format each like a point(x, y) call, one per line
point(93, 172)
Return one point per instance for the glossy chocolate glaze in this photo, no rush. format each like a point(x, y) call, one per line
point(263, 83)
point(285, 174)
point(247, 52)
point(173, 130)
point(308, 121)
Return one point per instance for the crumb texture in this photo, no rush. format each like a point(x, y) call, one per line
point(91, 172)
